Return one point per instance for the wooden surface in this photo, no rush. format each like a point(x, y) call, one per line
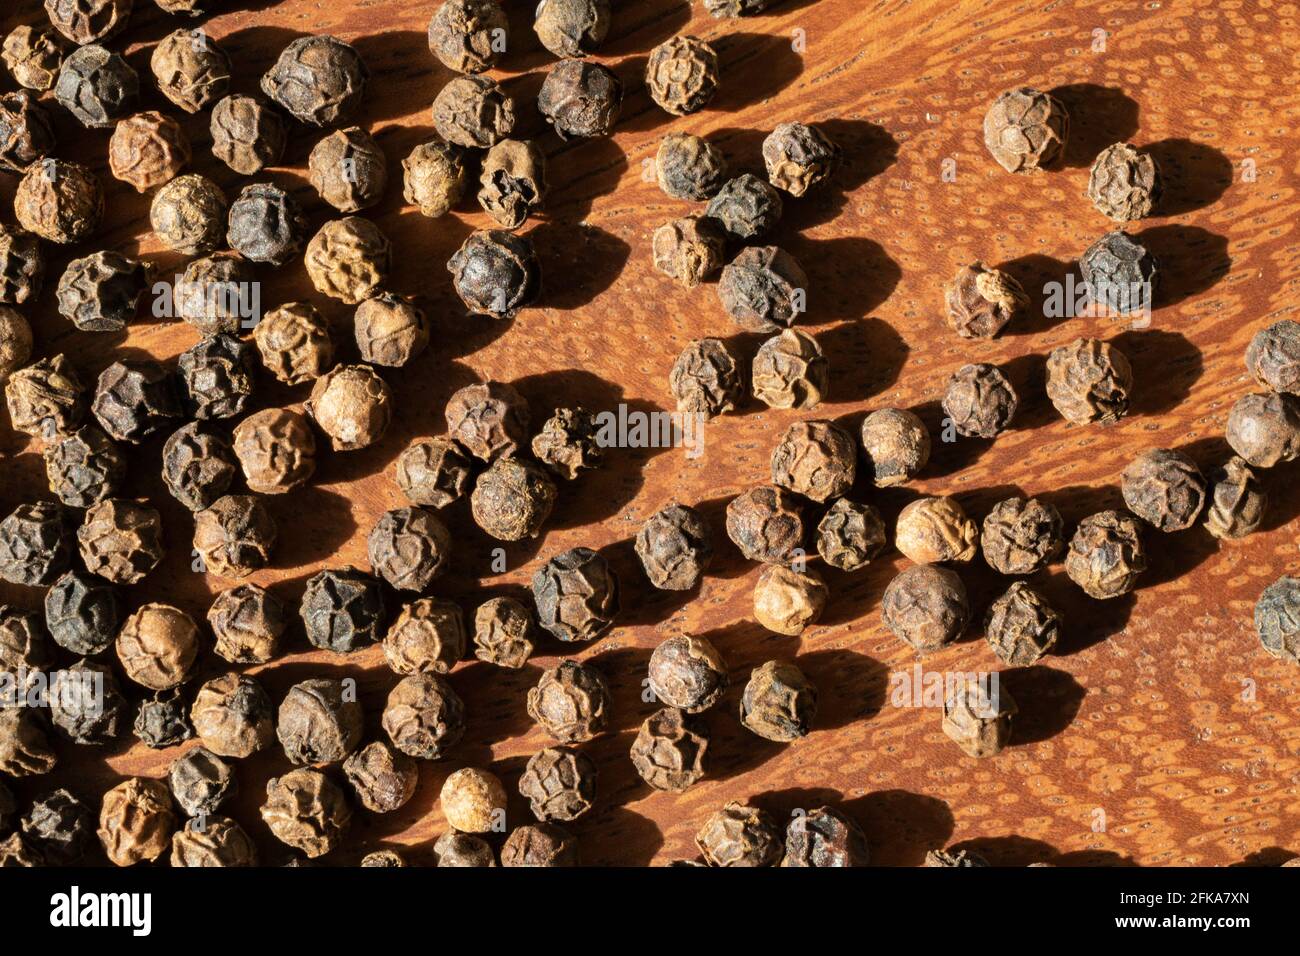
point(1138, 719)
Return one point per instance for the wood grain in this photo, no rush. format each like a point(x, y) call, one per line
point(1139, 719)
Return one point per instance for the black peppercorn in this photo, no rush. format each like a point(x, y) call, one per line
point(779, 702)
point(1124, 183)
point(496, 272)
point(232, 716)
point(136, 821)
point(979, 401)
point(24, 746)
point(86, 705)
point(101, 293)
point(570, 702)
point(216, 377)
point(689, 167)
point(319, 80)
point(790, 371)
point(188, 215)
point(247, 135)
point(681, 74)
point(490, 420)
point(1165, 488)
point(201, 782)
point(84, 467)
point(746, 207)
point(59, 200)
point(120, 540)
point(81, 613)
point(1263, 429)
point(689, 249)
point(352, 405)
point(295, 343)
point(429, 635)
point(390, 330)
point(1273, 357)
point(348, 259)
point(276, 450)
point(512, 499)
point(1237, 500)
point(266, 224)
point(434, 177)
point(1089, 380)
point(191, 69)
point(85, 21)
point(730, 9)
point(1021, 626)
point(463, 849)
point(212, 841)
point(740, 835)
point(572, 28)
point(34, 544)
point(1277, 619)
point(135, 399)
point(1026, 129)
point(382, 779)
point(982, 301)
point(926, 606)
point(33, 55)
point(824, 837)
point(1021, 536)
point(503, 632)
point(22, 271)
point(60, 827)
point(473, 800)
point(765, 523)
point(348, 169)
point(1106, 554)
point(1120, 274)
point(675, 548)
point(15, 342)
point(198, 466)
point(319, 722)
point(539, 844)
point(342, 610)
point(581, 99)
point(687, 672)
point(409, 547)
point(669, 750)
point(162, 720)
point(850, 535)
point(25, 131)
point(25, 654)
point(473, 111)
point(576, 594)
point(247, 622)
point(424, 717)
point(799, 157)
point(45, 399)
point(707, 378)
point(468, 36)
point(568, 443)
point(433, 472)
point(97, 86)
point(816, 459)
point(235, 536)
point(559, 784)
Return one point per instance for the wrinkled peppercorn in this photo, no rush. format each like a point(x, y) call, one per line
point(215, 293)
point(22, 271)
point(503, 632)
point(266, 224)
point(348, 169)
point(787, 601)
point(687, 672)
point(424, 717)
point(790, 371)
point(390, 330)
point(512, 182)
point(766, 524)
point(319, 722)
point(473, 111)
point(779, 703)
point(570, 702)
point(247, 135)
point(982, 301)
point(707, 378)
point(979, 401)
point(429, 635)
point(409, 547)
point(740, 835)
point(85, 21)
point(136, 821)
point(473, 800)
point(101, 293)
point(25, 131)
point(320, 80)
point(1263, 429)
point(81, 613)
point(135, 399)
point(462, 849)
point(816, 459)
point(1273, 357)
point(935, 529)
point(1277, 619)
point(746, 207)
point(247, 622)
point(496, 272)
point(382, 779)
point(348, 259)
point(490, 420)
point(161, 720)
point(1021, 536)
point(669, 749)
point(342, 610)
point(675, 547)
point(1237, 500)
point(512, 499)
point(1120, 274)
point(433, 472)
point(577, 595)
point(216, 377)
point(681, 74)
point(559, 784)
point(84, 467)
point(434, 177)
point(276, 450)
point(191, 69)
point(59, 200)
point(33, 55)
point(1164, 488)
point(977, 721)
point(572, 28)
point(689, 167)
point(1021, 626)
point(926, 606)
point(201, 782)
point(850, 535)
point(799, 157)
point(689, 250)
point(352, 405)
point(539, 844)
point(1106, 554)
point(212, 841)
point(188, 215)
point(1026, 129)
point(1124, 183)
point(295, 343)
point(15, 341)
point(1089, 380)
point(86, 705)
point(34, 544)
point(235, 536)
point(158, 645)
point(825, 837)
point(468, 36)
point(568, 443)
point(232, 716)
point(24, 654)
point(306, 810)
point(97, 86)
point(198, 466)
point(24, 747)
point(147, 150)
point(581, 99)
point(60, 827)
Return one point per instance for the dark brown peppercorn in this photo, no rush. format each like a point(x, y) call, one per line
point(540, 844)
point(342, 610)
point(59, 200)
point(97, 86)
point(935, 529)
point(162, 721)
point(101, 293)
point(1026, 129)
point(489, 420)
point(216, 377)
point(825, 837)
point(1237, 501)
point(120, 540)
point(468, 36)
point(1124, 183)
point(157, 646)
point(136, 821)
point(1106, 554)
point(688, 673)
point(799, 157)
point(980, 402)
point(60, 827)
point(1021, 626)
point(816, 459)
point(45, 399)
point(788, 602)
point(35, 546)
point(15, 341)
point(433, 472)
point(234, 537)
point(319, 722)
point(295, 344)
point(25, 131)
point(84, 467)
point(746, 207)
point(201, 782)
point(1277, 621)
point(730, 9)
point(24, 747)
point(215, 294)
point(581, 99)
point(982, 301)
point(276, 450)
point(135, 399)
point(33, 55)
point(266, 224)
point(8, 808)
point(473, 111)
point(434, 177)
point(740, 835)
point(570, 702)
point(675, 547)
point(569, 443)
point(409, 547)
point(765, 523)
point(390, 330)
point(246, 134)
point(348, 169)
point(25, 653)
point(306, 810)
point(978, 721)
point(191, 69)
point(512, 499)
point(86, 705)
point(689, 250)
point(424, 717)
point(503, 632)
point(790, 371)
point(188, 215)
point(463, 849)
point(212, 841)
point(576, 594)
point(779, 702)
point(348, 259)
point(850, 535)
point(682, 74)
point(1089, 380)
point(1021, 536)
point(572, 28)
point(382, 779)
point(1263, 428)
point(85, 21)
point(1164, 488)
point(707, 378)
point(22, 271)
point(512, 182)
point(247, 622)
point(232, 716)
point(320, 80)
point(496, 272)
point(352, 405)
point(147, 150)
point(559, 784)
point(428, 636)
point(689, 167)
point(1273, 357)
point(669, 750)
point(198, 466)
point(81, 613)
point(1120, 274)
point(926, 606)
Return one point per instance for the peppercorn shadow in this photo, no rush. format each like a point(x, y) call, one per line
point(624, 670)
point(866, 356)
point(901, 826)
point(850, 686)
point(850, 277)
point(1165, 367)
point(949, 452)
point(1191, 260)
point(321, 523)
point(401, 66)
point(1048, 700)
point(1268, 856)
point(1010, 850)
point(578, 173)
point(867, 150)
point(1192, 175)
point(1085, 621)
point(1099, 117)
point(1044, 280)
point(753, 67)
point(589, 258)
point(643, 26)
point(641, 601)
point(626, 838)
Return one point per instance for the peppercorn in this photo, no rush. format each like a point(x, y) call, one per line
point(1277, 619)
point(935, 529)
point(24, 654)
point(85, 21)
point(135, 399)
point(97, 86)
point(60, 827)
point(136, 821)
point(1273, 357)
point(433, 472)
point(1106, 554)
point(342, 610)
point(779, 703)
point(1120, 274)
point(581, 99)
point(86, 705)
point(977, 721)
point(34, 545)
point(15, 342)
point(188, 8)
point(790, 371)
point(689, 167)
point(669, 750)
point(1089, 380)
point(740, 835)
point(25, 131)
point(1263, 428)
point(1124, 183)
point(473, 800)
point(22, 270)
point(816, 459)
point(681, 74)
point(689, 250)
point(198, 466)
point(215, 292)
point(730, 9)
point(496, 272)
point(799, 157)
point(8, 808)
point(1026, 129)
point(348, 169)
point(849, 535)
point(266, 224)
point(1021, 625)
point(503, 633)
point(1237, 500)
point(24, 748)
point(101, 293)
point(424, 717)
point(216, 377)
point(428, 635)
point(513, 181)
point(84, 467)
point(383, 858)
point(248, 622)
point(295, 343)
point(926, 606)
point(512, 499)
point(33, 55)
point(188, 215)
point(539, 844)
point(120, 540)
point(191, 69)
point(687, 672)
point(213, 841)
point(559, 784)
point(161, 721)
point(462, 849)
point(982, 301)
point(319, 80)
point(306, 810)
point(473, 111)
point(1165, 488)
point(1021, 536)
point(158, 645)
point(746, 208)
point(232, 716)
point(81, 613)
point(319, 722)
point(766, 524)
point(434, 177)
point(706, 379)
point(352, 405)
point(576, 594)
point(390, 330)
point(409, 547)
point(675, 548)
point(825, 837)
point(568, 443)
point(490, 420)
point(570, 702)
point(235, 536)
point(787, 601)
point(382, 779)
point(59, 200)
point(979, 401)
point(147, 150)
point(572, 28)
point(201, 782)
point(468, 36)
point(348, 259)
point(246, 135)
